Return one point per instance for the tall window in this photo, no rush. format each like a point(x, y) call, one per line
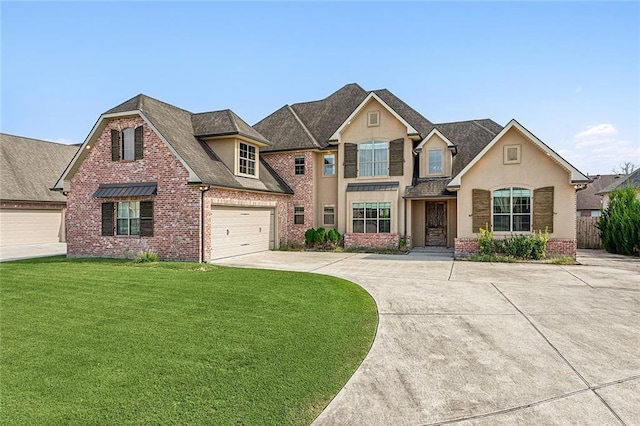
point(247, 159)
point(298, 215)
point(329, 161)
point(329, 217)
point(128, 144)
point(373, 158)
point(512, 210)
point(298, 166)
point(435, 161)
point(372, 218)
point(128, 217)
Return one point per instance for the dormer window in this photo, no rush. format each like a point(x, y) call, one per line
point(435, 162)
point(127, 144)
point(247, 159)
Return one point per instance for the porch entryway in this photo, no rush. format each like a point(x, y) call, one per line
point(436, 224)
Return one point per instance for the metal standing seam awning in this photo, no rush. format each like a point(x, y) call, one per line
point(377, 186)
point(126, 189)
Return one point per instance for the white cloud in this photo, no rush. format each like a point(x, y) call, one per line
point(598, 150)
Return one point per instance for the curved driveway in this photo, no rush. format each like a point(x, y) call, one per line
point(485, 343)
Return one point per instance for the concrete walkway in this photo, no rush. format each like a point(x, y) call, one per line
point(28, 251)
point(485, 344)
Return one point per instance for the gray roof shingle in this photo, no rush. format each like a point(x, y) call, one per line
point(631, 180)
point(428, 188)
point(180, 128)
point(29, 167)
point(588, 198)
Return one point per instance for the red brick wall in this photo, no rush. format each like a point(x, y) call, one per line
point(555, 247)
point(302, 185)
point(372, 240)
point(176, 206)
point(229, 197)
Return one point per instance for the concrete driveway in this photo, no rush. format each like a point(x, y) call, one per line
point(28, 251)
point(485, 344)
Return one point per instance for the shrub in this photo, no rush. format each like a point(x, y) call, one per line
point(320, 236)
point(310, 237)
point(485, 241)
point(333, 236)
point(146, 257)
point(620, 223)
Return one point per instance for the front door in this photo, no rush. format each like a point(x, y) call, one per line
point(436, 220)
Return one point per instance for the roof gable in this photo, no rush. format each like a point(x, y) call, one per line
point(371, 96)
point(576, 175)
point(224, 123)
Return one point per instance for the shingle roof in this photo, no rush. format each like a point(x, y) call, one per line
point(588, 198)
point(470, 137)
point(180, 129)
point(430, 187)
point(631, 180)
point(29, 167)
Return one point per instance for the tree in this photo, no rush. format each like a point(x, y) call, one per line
point(624, 168)
point(620, 223)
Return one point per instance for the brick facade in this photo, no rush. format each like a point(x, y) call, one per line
point(176, 206)
point(372, 240)
point(302, 185)
point(555, 247)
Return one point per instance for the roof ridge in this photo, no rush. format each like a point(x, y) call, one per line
point(304, 127)
point(232, 119)
point(406, 104)
point(327, 97)
point(483, 127)
point(41, 140)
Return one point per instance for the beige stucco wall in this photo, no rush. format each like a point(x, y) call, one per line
point(418, 222)
point(357, 132)
point(435, 142)
point(325, 189)
point(536, 170)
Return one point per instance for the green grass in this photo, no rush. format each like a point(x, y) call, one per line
point(113, 342)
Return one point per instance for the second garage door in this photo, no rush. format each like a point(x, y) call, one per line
point(236, 231)
point(24, 226)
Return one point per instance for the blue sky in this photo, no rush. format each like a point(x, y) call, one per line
point(569, 72)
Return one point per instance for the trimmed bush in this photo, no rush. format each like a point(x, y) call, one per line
point(320, 236)
point(620, 223)
point(333, 236)
point(310, 237)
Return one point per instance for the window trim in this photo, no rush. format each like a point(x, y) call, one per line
point(298, 211)
point(299, 169)
point(129, 219)
point(378, 219)
point(333, 214)
point(505, 154)
point(511, 213)
point(251, 149)
point(373, 163)
point(333, 165)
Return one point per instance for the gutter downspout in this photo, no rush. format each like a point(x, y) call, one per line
point(405, 219)
point(203, 189)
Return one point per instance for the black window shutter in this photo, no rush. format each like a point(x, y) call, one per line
point(146, 218)
point(107, 219)
point(481, 210)
point(350, 160)
point(543, 209)
point(115, 145)
point(138, 145)
point(396, 157)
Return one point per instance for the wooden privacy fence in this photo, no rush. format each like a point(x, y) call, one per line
point(587, 234)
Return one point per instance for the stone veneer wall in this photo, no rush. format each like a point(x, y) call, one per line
point(302, 185)
point(555, 247)
point(176, 206)
point(372, 240)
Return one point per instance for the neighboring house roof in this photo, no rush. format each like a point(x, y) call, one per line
point(180, 129)
point(631, 180)
point(589, 197)
point(311, 125)
point(29, 167)
point(576, 176)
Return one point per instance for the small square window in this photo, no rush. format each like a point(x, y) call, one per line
point(329, 216)
point(511, 154)
point(329, 165)
point(373, 118)
point(299, 164)
point(298, 215)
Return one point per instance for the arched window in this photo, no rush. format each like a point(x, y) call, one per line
point(128, 144)
point(512, 210)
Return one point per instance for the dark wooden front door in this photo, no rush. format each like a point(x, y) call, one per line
point(436, 220)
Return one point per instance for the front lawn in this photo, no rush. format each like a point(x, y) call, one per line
point(112, 342)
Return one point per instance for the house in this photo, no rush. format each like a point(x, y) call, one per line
point(588, 200)
point(632, 180)
point(151, 176)
point(29, 212)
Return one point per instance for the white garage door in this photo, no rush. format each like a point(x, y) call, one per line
point(236, 231)
point(22, 226)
